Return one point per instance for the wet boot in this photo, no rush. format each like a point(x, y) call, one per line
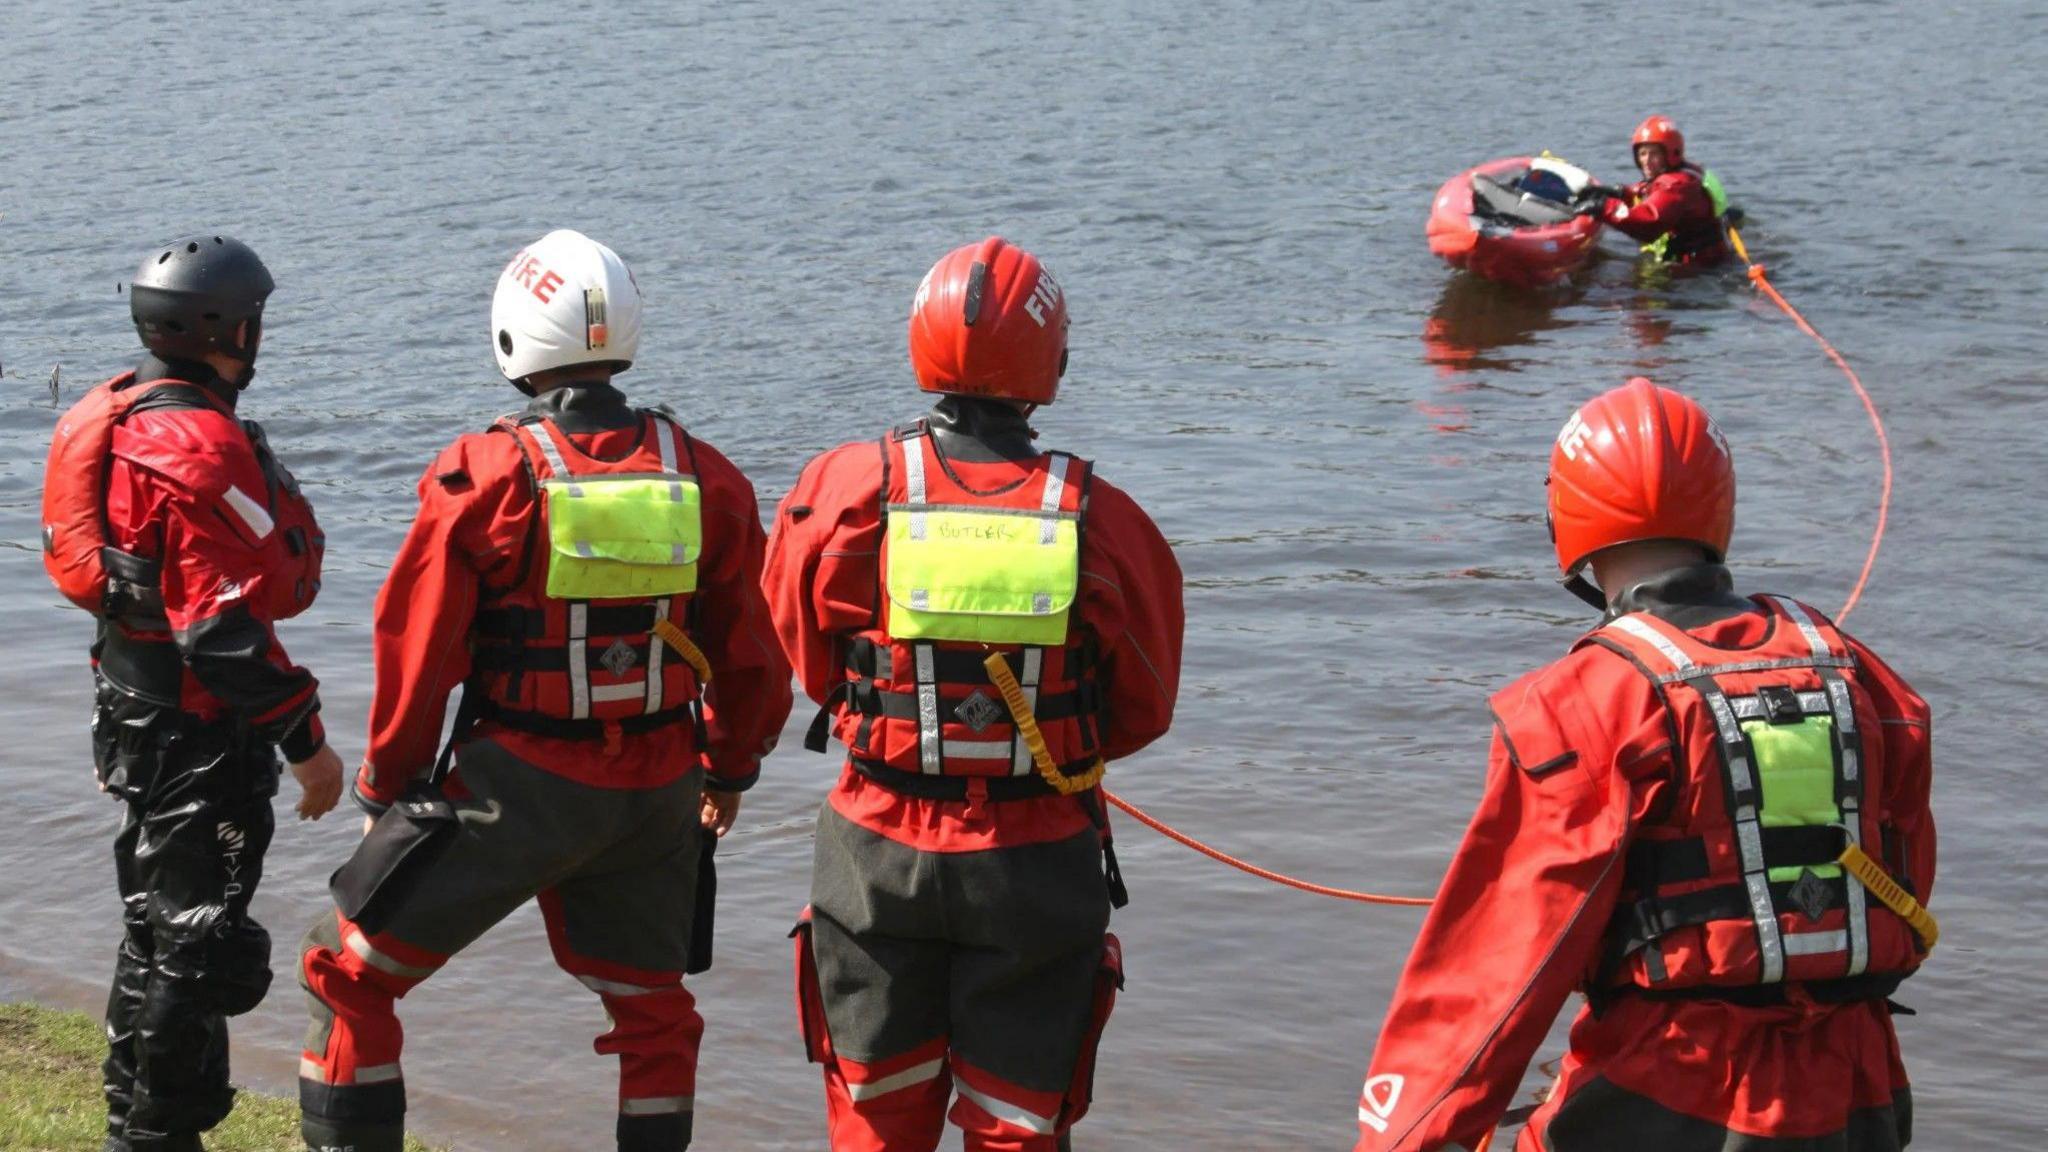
point(322, 1134)
point(669, 1132)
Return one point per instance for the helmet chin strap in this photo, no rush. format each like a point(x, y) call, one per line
point(1585, 589)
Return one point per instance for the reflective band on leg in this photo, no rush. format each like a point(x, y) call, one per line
point(1055, 491)
point(897, 1081)
point(579, 660)
point(361, 946)
point(657, 1105)
point(310, 1069)
point(1009, 1113)
point(654, 654)
point(929, 752)
point(614, 988)
point(1021, 761)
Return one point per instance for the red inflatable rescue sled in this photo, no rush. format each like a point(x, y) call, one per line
point(1514, 220)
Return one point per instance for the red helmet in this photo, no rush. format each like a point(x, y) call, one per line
point(989, 320)
point(1639, 463)
point(1660, 130)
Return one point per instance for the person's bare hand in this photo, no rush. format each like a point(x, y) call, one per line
point(720, 810)
point(319, 778)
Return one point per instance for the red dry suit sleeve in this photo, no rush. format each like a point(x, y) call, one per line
point(1906, 727)
point(1519, 918)
point(821, 571)
point(207, 495)
point(420, 628)
point(1655, 207)
point(1131, 599)
point(748, 697)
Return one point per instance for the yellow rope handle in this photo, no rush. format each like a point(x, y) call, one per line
point(1872, 876)
point(679, 640)
point(1005, 681)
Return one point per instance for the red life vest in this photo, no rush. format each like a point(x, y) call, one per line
point(582, 669)
point(1736, 890)
point(109, 582)
point(922, 716)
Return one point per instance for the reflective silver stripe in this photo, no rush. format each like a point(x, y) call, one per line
point(1749, 837)
point(668, 442)
point(252, 514)
point(379, 1074)
point(1815, 943)
point(614, 988)
point(544, 435)
point(978, 750)
point(362, 947)
point(1007, 1112)
point(579, 660)
point(1807, 628)
point(1848, 758)
point(614, 693)
point(1648, 633)
point(1021, 763)
point(1055, 491)
point(929, 752)
point(1759, 666)
point(897, 1081)
point(1752, 708)
point(913, 479)
point(655, 645)
point(657, 1105)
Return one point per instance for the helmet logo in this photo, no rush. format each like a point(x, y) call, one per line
point(1044, 298)
point(542, 282)
point(593, 318)
point(1573, 439)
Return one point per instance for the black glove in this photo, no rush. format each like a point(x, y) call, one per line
point(1590, 206)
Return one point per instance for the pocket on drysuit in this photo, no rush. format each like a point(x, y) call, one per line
point(622, 538)
point(810, 1000)
point(403, 842)
point(1109, 980)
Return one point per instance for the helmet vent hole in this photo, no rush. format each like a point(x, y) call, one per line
point(192, 247)
point(174, 326)
point(218, 240)
point(164, 257)
point(505, 341)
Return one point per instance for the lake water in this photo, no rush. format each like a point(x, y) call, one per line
point(1345, 442)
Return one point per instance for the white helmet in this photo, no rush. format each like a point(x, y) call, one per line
point(565, 299)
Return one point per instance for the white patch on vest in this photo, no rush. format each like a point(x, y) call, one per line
point(252, 514)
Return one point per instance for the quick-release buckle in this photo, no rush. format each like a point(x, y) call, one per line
point(1647, 928)
point(1781, 704)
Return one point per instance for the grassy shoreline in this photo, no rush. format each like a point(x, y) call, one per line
point(50, 1091)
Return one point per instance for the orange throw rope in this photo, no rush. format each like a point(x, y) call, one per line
point(1884, 443)
point(1221, 857)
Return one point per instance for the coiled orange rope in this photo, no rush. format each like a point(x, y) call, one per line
point(1884, 443)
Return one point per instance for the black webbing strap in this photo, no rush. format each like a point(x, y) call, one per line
point(1653, 863)
point(523, 624)
point(565, 729)
point(865, 699)
point(930, 786)
point(1637, 924)
point(873, 661)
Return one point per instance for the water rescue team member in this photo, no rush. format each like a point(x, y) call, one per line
point(175, 524)
point(1662, 820)
point(589, 573)
point(1675, 210)
point(957, 935)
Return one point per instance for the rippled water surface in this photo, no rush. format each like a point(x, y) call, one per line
point(1345, 442)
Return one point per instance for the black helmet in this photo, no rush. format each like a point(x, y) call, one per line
point(190, 296)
